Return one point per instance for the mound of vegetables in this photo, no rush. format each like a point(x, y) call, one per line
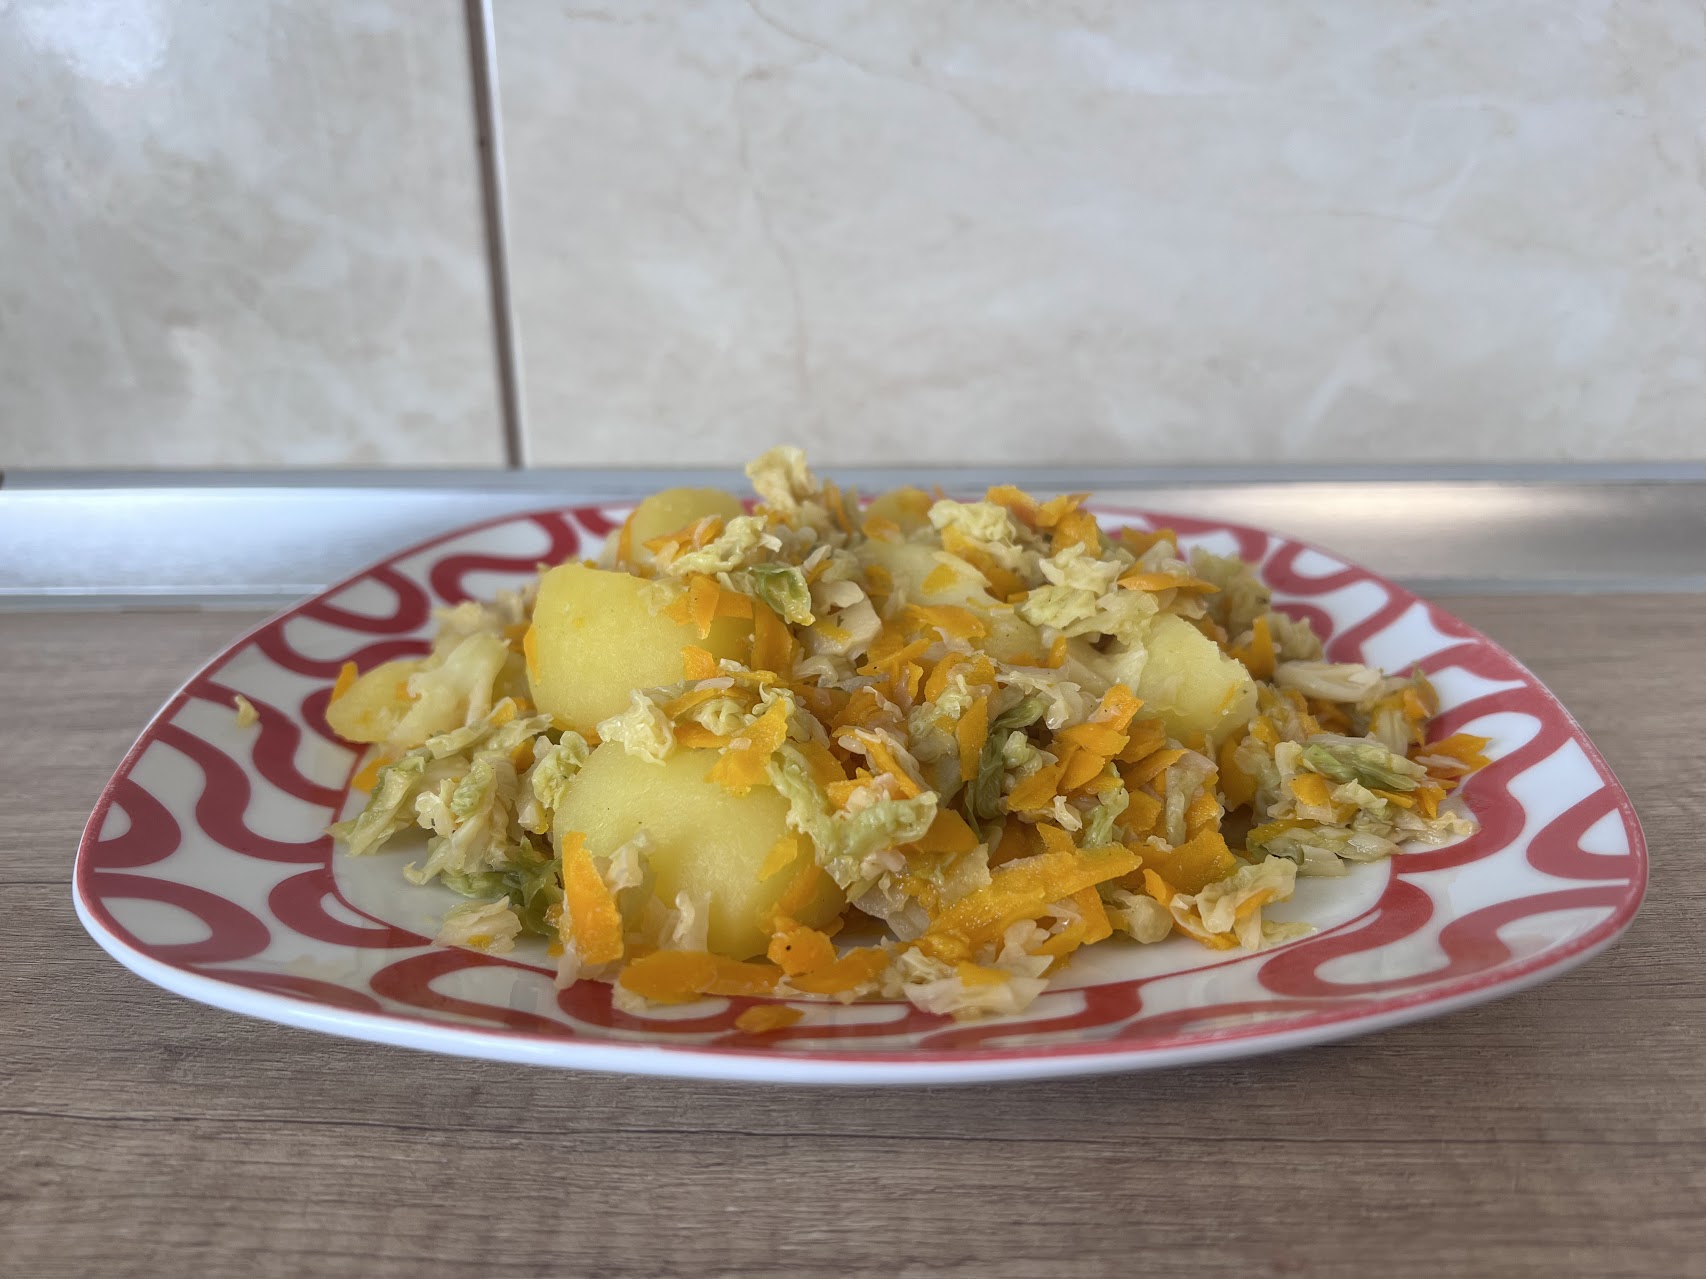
point(919, 748)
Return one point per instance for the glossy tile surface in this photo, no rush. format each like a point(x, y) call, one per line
point(241, 235)
point(1331, 231)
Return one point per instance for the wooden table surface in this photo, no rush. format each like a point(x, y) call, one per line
point(1560, 1132)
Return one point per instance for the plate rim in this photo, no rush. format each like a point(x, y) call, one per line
point(827, 1065)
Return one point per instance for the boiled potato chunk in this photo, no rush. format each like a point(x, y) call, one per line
point(910, 564)
point(705, 841)
point(1191, 686)
point(375, 704)
point(673, 509)
point(595, 640)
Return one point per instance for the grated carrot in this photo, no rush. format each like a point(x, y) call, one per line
point(1096, 925)
point(948, 833)
point(1051, 512)
point(781, 855)
point(953, 620)
point(1237, 785)
point(1312, 789)
point(801, 950)
point(937, 683)
point(698, 663)
point(847, 974)
point(841, 793)
point(744, 766)
point(1259, 657)
point(1139, 542)
point(1203, 813)
point(974, 975)
point(1022, 890)
point(1076, 528)
point(733, 604)
point(1194, 864)
point(1465, 748)
point(772, 641)
point(591, 920)
point(1430, 798)
point(346, 679)
point(1103, 740)
point(825, 767)
point(696, 737)
point(762, 1019)
point(1146, 737)
point(1036, 792)
point(1141, 581)
point(1082, 768)
point(939, 579)
point(1142, 814)
point(800, 890)
point(702, 596)
point(971, 732)
point(1020, 503)
point(882, 756)
point(1150, 767)
point(369, 774)
point(681, 976)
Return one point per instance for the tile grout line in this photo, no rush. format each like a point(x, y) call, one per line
point(494, 209)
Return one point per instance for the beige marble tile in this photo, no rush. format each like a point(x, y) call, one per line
point(1330, 230)
point(242, 234)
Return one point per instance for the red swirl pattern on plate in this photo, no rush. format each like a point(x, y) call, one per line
point(446, 575)
point(242, 852)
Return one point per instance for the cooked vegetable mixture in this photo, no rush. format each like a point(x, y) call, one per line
point(975, 735)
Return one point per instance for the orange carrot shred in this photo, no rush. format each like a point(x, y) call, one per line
point(681, 976)
point(801, 950)
point(1037, 791)
point(948, 833)
point(762, 1019)
point(1082, 768)
point(702, 595)
point(781, 855)
point(698, 663)
point(846, 974)
point(346, 678)
point(800, 890)
point(971, 732)
point(743, 767)
point(591, 920)
point(1311, 789)
point(1150, 767)
point(369, 774)
point(772, 641)
point(696, 737)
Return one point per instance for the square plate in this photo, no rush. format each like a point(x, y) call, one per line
point(205, 867)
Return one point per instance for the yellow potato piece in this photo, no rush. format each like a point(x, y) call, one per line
point(912, 564)
point(673, 509)
point(595, 640)
point(374, 704)
point(705, 841)
point(1190, 685)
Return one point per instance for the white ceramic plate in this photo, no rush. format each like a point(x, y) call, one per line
point(205, 867)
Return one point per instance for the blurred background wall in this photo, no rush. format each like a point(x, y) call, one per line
point(262, 234)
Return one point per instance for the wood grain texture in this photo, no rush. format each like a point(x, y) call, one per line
point(1560, 1132)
